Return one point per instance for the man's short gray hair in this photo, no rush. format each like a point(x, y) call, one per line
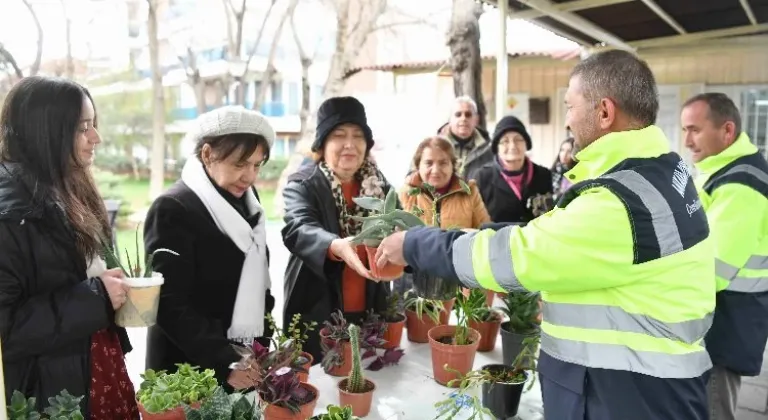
point(625, 79)
point(465, 99)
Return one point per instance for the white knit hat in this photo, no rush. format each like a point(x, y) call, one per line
point(231, 119)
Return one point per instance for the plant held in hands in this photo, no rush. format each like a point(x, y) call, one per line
point(356, 390)
point(133, 269)
point(384, 220)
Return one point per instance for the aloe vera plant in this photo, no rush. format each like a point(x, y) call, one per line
point(385, 218)
point(132, 268)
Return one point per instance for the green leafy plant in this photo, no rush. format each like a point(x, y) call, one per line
point(356, 382)
point(476, 308)
point(132, 268)
point(436, 198)
point(384, 219)
point(450, 407)
point(522, 308)
point(64, 406)
point(336, 413)
point(221, 406)
point(295, 334)
point(463, 308)
point(394, 310)
point(162, 391)
point(421, 306)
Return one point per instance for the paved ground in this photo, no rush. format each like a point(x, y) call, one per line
point(753, 399)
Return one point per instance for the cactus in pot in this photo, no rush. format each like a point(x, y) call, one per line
point(385, 218)
point(356, 390)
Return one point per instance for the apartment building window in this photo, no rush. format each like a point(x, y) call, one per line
point(277, 91)
point(294, 98)
point(754, 116)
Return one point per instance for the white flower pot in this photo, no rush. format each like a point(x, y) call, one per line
point(140, 308)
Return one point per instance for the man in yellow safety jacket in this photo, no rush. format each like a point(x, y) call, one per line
point(624, 263)
point(733, 184)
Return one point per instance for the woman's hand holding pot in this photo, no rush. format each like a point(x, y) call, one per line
point(117, 289)
point(344, 250)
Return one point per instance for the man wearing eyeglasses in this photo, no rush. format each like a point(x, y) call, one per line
point(473, 148)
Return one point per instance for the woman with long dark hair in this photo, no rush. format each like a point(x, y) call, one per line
point(57, 299)
point(563, 163)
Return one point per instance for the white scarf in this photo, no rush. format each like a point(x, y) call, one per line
point(248, 315)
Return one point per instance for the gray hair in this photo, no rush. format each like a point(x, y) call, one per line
point(721, 109)
point(465, 99)
point(625, 79)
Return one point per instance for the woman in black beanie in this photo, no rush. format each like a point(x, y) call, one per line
point(326, 272)
point(512, 186)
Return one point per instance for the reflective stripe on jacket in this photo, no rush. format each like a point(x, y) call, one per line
point(734, 191)
point(624, 263)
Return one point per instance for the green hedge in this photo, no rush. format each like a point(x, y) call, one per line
point(272, 169)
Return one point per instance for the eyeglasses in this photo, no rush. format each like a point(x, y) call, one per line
point(466, 114)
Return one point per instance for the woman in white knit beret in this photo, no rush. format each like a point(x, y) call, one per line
point(216, 291)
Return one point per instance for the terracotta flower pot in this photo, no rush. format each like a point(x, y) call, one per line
point(394, 333)
point(304, 376)
point(346, 355)
point(360, 402)
point(388, 271)
point(446, 316)
point(488, 332)
point(274, 412)
point(418, 328)
point(489, 295)
point(460, 358)
point(176, 413)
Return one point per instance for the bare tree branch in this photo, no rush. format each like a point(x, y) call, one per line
point(254, 48)
point(69, 65)
point(270, 71)
point(306, 62)
point(39, 56)
point(8, 58)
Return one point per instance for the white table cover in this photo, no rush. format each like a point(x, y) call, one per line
point(407, 391)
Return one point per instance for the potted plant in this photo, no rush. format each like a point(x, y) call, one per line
point(336, 413)
point(482, 318)
point(425, 285)
point(143, 298)
point(521, 308)
point(384, 219)
point(295, 336)
point(394, 316)
point(61, 407)
point(502, 387)
point(356, 390)
point(372, 341)
point(421, 315)
point(454, 346)
point(334, 340)
point(161, 394)
point(222, 406)
point(284, 397)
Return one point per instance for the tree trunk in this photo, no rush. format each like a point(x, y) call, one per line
point(39, 55)
point(157, 160)
point(244, 79)
point(269, 72)
point(69, 65)
point(466, 61)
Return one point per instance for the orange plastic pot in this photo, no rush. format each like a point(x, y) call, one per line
point(387, 272)
point(346, 355)
point(446, 316)
point(176, 413)
point(460, 358)
point(394, 333)
point(304, 376)
point(360, 402)
point(274, 412)
point(418, 328)
point(488, 333)
point(489, 295)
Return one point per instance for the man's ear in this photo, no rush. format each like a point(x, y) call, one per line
point(606, 109)
point(730, 132)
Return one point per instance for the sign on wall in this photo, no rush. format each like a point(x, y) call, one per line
point(517, 105)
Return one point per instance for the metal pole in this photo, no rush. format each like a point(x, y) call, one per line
point(502, 68)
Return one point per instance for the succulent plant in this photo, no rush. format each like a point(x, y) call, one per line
point(132, 268)
point(385, 218)
point(356, 380)
point(522, 309)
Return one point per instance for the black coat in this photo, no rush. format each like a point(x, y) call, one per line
point(312, 281)
point(198, 296)
point(49, 309)
point(501, 202)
